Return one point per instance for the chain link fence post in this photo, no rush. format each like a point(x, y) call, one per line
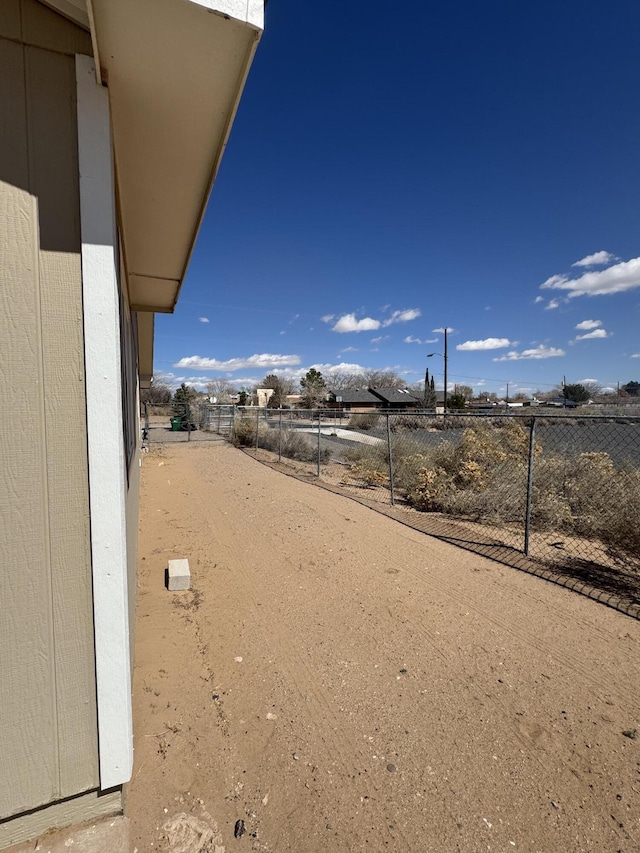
point(280, 436)
point(188, 411)
point(257, 426)
point(390, 453)
point(319, 443)
point(527, 517)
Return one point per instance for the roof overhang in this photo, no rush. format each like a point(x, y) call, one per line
point(175, 71)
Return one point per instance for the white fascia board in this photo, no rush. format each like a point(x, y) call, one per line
point(74, 10)
point(106, 453)
point(249, 11)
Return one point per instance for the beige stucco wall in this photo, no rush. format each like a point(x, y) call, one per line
point(48, 732)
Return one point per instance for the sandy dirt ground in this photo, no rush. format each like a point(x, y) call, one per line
point(335, 681)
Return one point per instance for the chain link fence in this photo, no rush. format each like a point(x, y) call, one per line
point(560, 490)
point(563, 491)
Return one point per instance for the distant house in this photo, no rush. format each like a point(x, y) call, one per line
point(115, 117)
point(354, 401)
point(396, 398)
point(370, 399)
point(263, 395)
point(560, 403)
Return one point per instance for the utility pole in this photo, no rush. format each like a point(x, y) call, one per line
point(445, 356)
point(446, 359)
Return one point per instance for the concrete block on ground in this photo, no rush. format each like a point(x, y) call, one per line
point(179, 575)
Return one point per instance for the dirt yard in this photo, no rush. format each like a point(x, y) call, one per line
point(336, 681)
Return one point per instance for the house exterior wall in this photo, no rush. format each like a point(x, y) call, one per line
point(48, 729)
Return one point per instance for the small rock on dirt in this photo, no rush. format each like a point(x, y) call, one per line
point(239, 829)
point(391, 768)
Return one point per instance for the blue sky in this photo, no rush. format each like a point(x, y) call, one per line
point(474, 165)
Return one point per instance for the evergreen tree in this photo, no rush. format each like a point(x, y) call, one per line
point(314, 388)
point(180, 403)
point(430, 397)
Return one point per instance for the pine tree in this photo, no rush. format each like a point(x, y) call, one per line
point(180, 403)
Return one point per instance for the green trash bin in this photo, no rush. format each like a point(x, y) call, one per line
point(176, 423)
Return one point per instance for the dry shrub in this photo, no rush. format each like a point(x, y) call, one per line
point(366, 472)
point(621, 535)
point(588, 496)
point(407, 423)
point(293, 445)
point(243, 433)
point(483, 477)
point(363, 421)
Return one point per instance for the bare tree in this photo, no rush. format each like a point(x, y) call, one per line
point(594, 389)
point(340, 380)
point(221, 389)
point(465, 391)
point(159, 393)
point(382, 379)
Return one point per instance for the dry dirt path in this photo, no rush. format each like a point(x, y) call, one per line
point(340, 682)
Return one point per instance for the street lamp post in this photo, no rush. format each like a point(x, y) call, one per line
point(445, 357)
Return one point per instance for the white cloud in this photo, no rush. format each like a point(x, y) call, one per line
point(538, 299)
point(636, 355)
point(379, 338)
point(596, 333)
point(441, 331)
point(487, 343)
point(327, 318)
point(348, 323)
point(262, 360)
point(553, 303)
point(203, 319)
point(588, 324)
point(618, 278)
point(539, 352)
point(402, 316)
point(591, 381)
point(349, 349)
point(411, 340)
point(598, 259)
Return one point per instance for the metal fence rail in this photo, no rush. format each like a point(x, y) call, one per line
point(561, 490)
